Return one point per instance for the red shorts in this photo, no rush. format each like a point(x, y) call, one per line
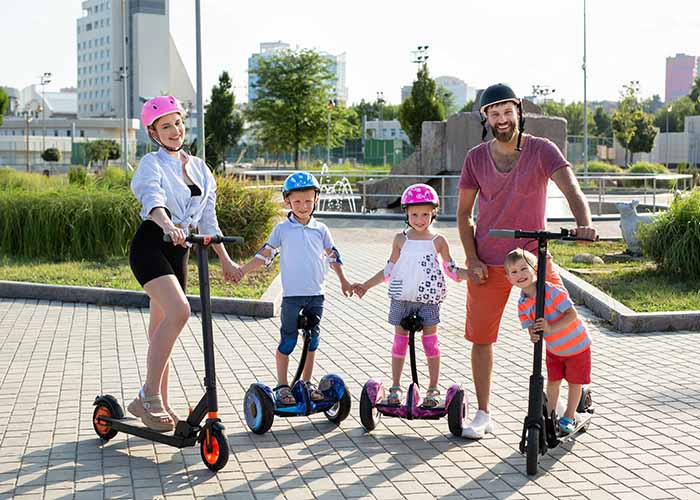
point(574, 369)
point(487, 301)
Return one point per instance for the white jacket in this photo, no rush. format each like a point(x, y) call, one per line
point(158, 182)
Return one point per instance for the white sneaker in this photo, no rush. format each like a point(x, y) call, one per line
point(480, 426)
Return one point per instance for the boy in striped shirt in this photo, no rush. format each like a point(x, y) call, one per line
point(567, 340)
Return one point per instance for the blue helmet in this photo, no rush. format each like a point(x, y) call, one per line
point(300, 180)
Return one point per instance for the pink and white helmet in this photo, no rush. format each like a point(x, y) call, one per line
point(158, 107)
point(419, 194)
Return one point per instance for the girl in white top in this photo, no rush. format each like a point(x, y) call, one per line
point(177, 193)
point(416, 285)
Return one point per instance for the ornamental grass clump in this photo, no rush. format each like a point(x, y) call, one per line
point(673, 239)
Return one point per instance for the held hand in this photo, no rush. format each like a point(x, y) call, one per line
point(177, 235)
point(534, 336)
point(477, 271)
point(347, 288)
point(232, 271)
point(541, 325)
point(360, 289)
point(585, 232)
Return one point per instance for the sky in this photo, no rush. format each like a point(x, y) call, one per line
point(518, 42)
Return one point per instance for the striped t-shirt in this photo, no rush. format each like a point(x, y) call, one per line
point(570, 340)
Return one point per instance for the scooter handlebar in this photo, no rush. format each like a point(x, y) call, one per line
point(564, 234)
point(205, 240)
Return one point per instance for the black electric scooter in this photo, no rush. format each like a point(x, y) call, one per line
point(108, 417)
point(540, 429)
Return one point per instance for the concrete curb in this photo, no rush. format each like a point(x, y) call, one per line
point(266, 307)
point(622, 317)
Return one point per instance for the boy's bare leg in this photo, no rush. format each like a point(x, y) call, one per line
point(282, 362)
point(572, 403)
point(552, 394)
point(308, 366)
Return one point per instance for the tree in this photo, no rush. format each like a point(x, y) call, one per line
point(4, 102)
point(222, 122)
point(680, 108)
point(467, 107)
point(634, 129)
point(51, 154)
point(695, 96)
point(424, 104)
point(573, 112)
point(653, 104)
point(603, 123)
point(371, 111)
point(448, 100)
point(290, 112)
point(102, 150)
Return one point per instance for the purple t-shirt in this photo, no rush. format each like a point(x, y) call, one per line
point(511, 200)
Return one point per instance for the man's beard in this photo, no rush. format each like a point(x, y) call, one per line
point(506, 136)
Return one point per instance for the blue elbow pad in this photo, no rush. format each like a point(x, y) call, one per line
point(334, 256)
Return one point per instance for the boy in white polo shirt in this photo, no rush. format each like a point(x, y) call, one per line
point(306, 247)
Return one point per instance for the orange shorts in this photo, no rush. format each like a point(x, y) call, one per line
point(487, 301)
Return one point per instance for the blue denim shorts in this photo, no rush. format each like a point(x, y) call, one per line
point(291, 306)
point(399, 309)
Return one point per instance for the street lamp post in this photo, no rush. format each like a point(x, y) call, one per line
point(43, 80)
point(27, 114)
point(380, 105)
point(585, 97)
point(331, 105)
point(668, 113)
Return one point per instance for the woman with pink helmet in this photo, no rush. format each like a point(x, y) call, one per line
point(177, 193)
point(416, 285)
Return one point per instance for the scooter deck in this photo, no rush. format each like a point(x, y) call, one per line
point(583, 420)
point(135, 427)
point(385, 404)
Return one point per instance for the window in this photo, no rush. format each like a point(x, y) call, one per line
point(88, 27)
point(55, 133)
point(68, 133)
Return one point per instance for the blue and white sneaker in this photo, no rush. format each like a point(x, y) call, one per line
point(566, 425)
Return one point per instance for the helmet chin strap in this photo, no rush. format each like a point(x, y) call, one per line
point(160, 144)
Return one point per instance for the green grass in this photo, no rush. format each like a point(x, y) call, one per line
point(115, 273)
point(638, 284)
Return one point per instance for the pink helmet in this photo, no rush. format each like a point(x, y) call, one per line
point(419, 194)
point(160, 106)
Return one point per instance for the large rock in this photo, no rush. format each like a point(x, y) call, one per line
point(443, 148)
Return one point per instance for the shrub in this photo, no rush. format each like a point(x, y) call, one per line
point(69, 223)
point(684, 168)
point(113, 177)
point(12, 179)
point(51, 154)
point(644, 167)
point(244, 212)
point(78, 176)
point(673, 239)
point(599, 167)
point(72, 222)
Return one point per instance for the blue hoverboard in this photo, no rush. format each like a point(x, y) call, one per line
point(260, 405)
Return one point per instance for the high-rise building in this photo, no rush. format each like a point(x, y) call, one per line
point(681, 71)
point(336, 65)
point(461, 92)
point(153, 63)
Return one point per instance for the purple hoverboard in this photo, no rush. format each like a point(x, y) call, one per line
point(373, 403)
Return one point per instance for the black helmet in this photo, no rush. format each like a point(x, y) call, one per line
point(496, 94)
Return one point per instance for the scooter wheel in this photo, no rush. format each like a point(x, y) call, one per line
point(586, 401)
point(259, 410)
point(214, 449)
point(369, 415)
point(340, 411)
point(455, 414)
point(533, 451)
point(106, 406)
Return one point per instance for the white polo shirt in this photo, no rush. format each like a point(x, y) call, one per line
point(302, 255)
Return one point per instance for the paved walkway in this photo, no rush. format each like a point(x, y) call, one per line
point(55, 357)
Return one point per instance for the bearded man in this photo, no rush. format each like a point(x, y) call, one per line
point(510, 174)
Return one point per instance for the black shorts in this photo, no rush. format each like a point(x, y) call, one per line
point(150, 257)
